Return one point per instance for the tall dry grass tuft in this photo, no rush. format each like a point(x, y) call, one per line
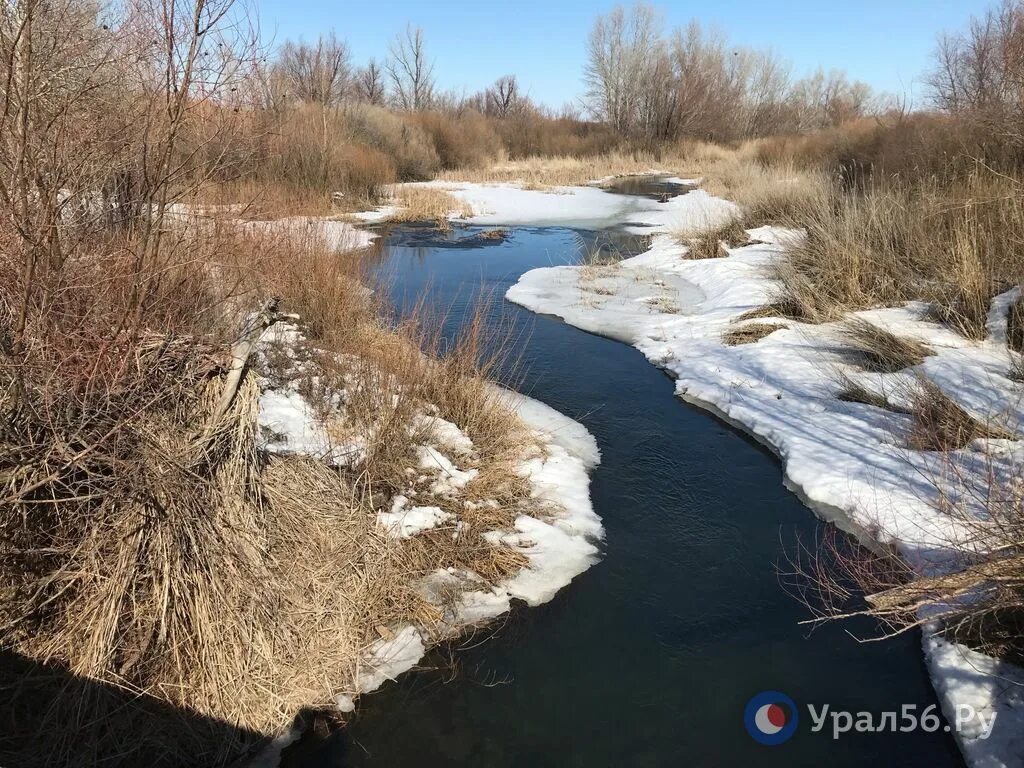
point(940, 424)
point(880, 350)
point(779, 193)
point(416, 203)
point(955, 246)
point(711, 242)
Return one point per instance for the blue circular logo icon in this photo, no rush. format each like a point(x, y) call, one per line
point(771, 718)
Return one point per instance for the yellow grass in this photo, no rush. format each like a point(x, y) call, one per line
point(544, 172)
point(418, 203)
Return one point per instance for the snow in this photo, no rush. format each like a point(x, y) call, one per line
point(450, 479)
point(377, 215)
point(558, 547)
point(565, 545)
point(446, 433)
point(389, 658)
point(285, 413)
point(582, 207)
point(404, 521)
point(846, 460)
point(991, 734)
point(340, 235)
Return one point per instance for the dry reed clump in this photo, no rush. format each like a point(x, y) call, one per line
point(954, 245)
point(767, 194)
point(545, 172)
point(409, 146)
point(464, 141)
point(880, 350)
point(1015, 339)
point(710, 242)
point(940, 424)
point(783, 305)
point(853, 391)
point(749, 333)
point(417, 203)
point(152, 548)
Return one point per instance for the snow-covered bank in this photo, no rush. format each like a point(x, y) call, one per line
point(555, 529)
point(843, 457)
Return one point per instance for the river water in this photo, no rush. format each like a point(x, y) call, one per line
point(648, 658)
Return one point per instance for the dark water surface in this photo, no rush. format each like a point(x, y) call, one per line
point(648, 658)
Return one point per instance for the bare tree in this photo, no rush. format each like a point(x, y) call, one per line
point(620, 49)
point(369, 83)
point(503, 96)
point(411, 73)
point(980, 73)
point(319, 73)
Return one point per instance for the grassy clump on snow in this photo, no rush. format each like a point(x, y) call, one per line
point(748, 333)
point(708, 242)
point(941, 424)
point(880, 350)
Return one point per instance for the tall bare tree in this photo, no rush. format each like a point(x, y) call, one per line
point(411, 72)
point(619, 52)
point(980, 72)
point(316, 73)
point(503, 96)
point(369, 83)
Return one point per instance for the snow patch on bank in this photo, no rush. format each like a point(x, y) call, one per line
point(559, 543)
point(847, 460)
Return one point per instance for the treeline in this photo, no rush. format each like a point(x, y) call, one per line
point(325, 124)
point(693, 83)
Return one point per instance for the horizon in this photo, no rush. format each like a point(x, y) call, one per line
point(470, 53)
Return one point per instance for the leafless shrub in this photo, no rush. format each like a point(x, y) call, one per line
point(979, 73)
point(317, 73)
point(369, 83)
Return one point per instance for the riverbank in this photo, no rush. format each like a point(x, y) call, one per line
point(467, 496)
point(845, 458)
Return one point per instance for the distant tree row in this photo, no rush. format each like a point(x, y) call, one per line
point(322, 73)
point(639, 80)
point(694, 83)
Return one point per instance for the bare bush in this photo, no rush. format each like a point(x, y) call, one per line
point(369, 83)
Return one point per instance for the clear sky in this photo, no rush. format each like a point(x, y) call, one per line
point(886, 43)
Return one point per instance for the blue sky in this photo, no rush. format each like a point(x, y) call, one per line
point(886, 43)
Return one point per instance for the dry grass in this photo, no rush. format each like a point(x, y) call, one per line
point(546, 172)
point(710, 242)
point(954, 246)
point(880, 350)
point(416, 203)
point(749, 333)
point(767, 194)
point(172, 559)
point(940, 424)
point(852, 391)
point(782, 306)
